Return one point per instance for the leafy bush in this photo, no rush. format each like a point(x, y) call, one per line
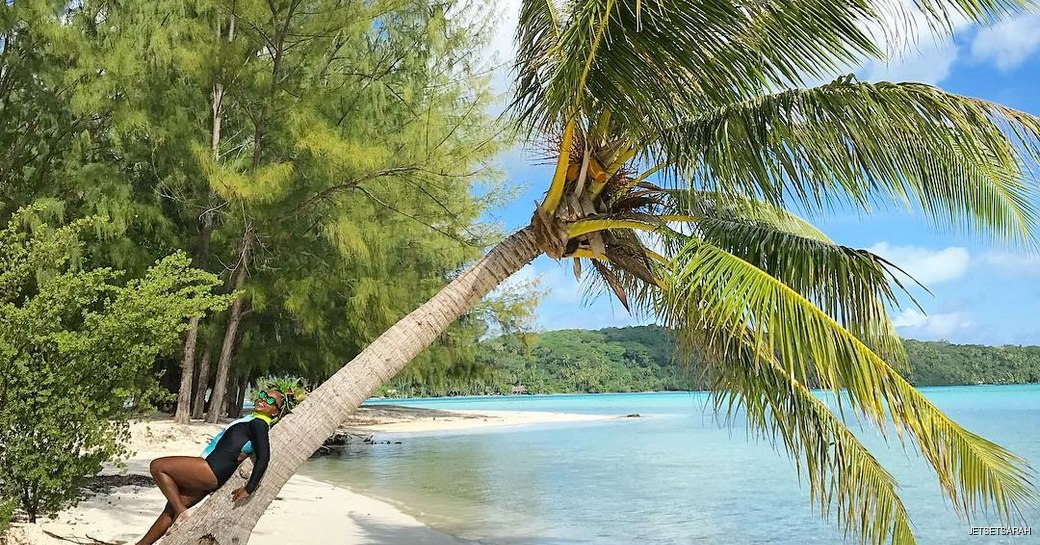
point(7, 508)
point(76, 351)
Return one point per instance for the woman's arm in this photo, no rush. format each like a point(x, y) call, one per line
point(258, 431)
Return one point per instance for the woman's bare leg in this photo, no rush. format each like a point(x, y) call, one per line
point(166, 519)
point(179, 476)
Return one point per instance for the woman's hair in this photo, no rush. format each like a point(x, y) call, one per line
point(293, 390)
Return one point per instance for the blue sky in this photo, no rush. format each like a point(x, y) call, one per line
point(982, 292)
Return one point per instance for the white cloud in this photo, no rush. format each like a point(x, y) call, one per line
point(925, 265)
point(931, 63)
point(1008, 44)
point(550, 277)
point(603, 313)
point(1013, 264)
point(917, 52)
point(563, 288)
point(502, 49)
point(932, 326)
point(564, 305)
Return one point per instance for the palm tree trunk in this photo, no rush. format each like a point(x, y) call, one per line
point(217, 401)
point(218, 522)
point(198, 405)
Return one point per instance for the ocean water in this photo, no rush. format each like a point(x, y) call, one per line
point(676, 475)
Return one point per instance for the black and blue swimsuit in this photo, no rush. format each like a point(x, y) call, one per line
point(246, 435)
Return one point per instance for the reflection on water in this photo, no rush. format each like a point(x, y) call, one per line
point(674, 476)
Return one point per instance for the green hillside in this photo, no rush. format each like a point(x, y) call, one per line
point(635, 359)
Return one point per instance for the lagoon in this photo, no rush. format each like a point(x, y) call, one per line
point(676, 475)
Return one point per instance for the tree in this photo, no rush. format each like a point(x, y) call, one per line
point(302, 150)
point(96, 142)
point(76, 354)
point(706, 95)
point(358, 135)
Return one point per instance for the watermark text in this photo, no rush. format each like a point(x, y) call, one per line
point(1000, 531)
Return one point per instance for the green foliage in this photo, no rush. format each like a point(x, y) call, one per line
point(644, 359)
point(938, 363)
point(351, 137)
point(76, 353)
point(631, 359)
point(7, 508)
point(706, 94)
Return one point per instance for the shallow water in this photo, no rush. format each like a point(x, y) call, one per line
point(674, 476)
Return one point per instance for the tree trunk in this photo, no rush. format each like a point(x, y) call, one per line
point(198, 407)
point(219, 522)
point(235, 402)
point(183, 413)
point(216, 402)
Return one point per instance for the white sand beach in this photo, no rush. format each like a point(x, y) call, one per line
point(306, 512)
point(396, 419)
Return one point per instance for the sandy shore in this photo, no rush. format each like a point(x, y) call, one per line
point(397, 419)
point(122, 503)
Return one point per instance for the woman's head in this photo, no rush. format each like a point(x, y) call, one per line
point(282, 395)
point(269, 401)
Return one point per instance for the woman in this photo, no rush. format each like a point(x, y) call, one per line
point(185, 480)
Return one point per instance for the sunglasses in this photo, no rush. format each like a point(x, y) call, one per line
point(268, 398)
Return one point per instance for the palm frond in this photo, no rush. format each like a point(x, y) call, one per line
point(853, 286)
point(963, 162)
point(734, 297)
point(537, 35)
point(843, 475)
point(709, 204)
point(652, 63)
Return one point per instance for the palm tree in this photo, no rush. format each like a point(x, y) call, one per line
point(705, 98)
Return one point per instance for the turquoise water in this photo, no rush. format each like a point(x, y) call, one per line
point(674, 476)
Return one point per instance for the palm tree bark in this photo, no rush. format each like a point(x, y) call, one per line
point(219, 522)
point(216, 402)
point(198, 405)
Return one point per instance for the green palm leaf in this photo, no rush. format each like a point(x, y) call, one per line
point(960, 161)
point(654, 63)
point(730, 297)
point(851, 285)
point(843, 475)
point(684, 85)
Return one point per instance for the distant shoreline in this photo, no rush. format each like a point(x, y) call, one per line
point(644, 359)
point(392, 400)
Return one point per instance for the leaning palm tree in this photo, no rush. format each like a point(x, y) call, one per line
point(682, 140)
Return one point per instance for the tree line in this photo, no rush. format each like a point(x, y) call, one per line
point(643, 358)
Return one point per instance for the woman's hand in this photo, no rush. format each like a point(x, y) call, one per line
point(239, 494)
